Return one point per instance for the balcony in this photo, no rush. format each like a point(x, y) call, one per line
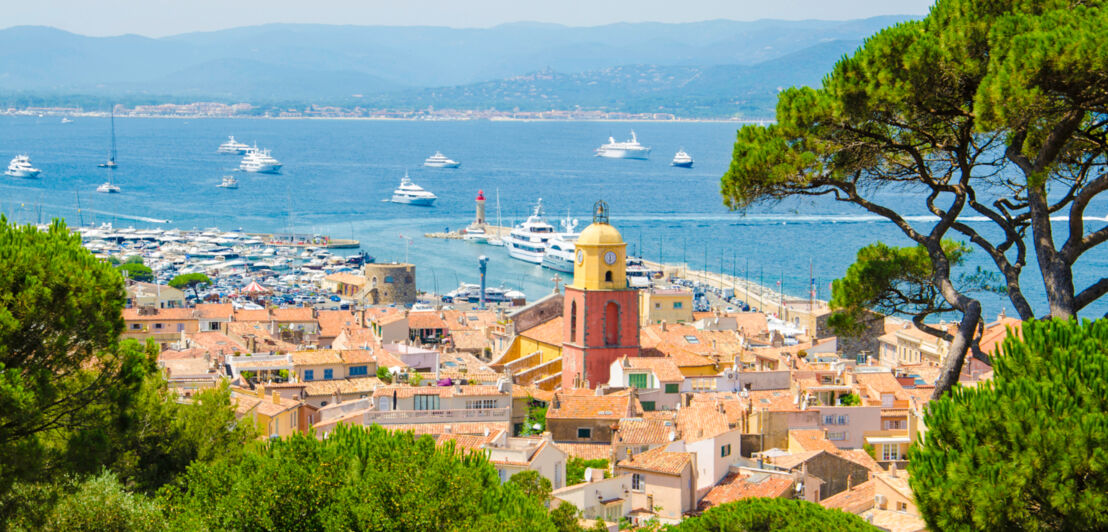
point(403, 417)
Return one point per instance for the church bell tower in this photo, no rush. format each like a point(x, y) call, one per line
point(601, 312)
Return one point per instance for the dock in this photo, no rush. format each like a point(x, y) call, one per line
point(306, 241)
point(491, 230)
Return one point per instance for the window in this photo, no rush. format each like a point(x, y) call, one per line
point(573, 322)
point(836, 436)
point(678, 304)
point(480, 403)
point(657, 305)
point(844, 420)
point(608, 276)
point(648, 406)
point(692, 339)
point(388, 278)
point(611, 323)
point(135, 326)
point(637, 483)
point(828, 420)
point(180, 327)
point(901, 506)
point(292, 419)
point(358, 371)
point(584, 433)
point(426, 402)
point(894, 424)
point(637, 380)
point(887, 400)
point(309, 374)
point(725, 450)
point(213, 326)
point(157, 326)
point(671, 387)
point(890, 452)
point(328, 374)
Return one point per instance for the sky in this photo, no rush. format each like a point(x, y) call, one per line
point(157, 18)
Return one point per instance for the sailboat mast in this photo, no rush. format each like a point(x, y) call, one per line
point(112, 155)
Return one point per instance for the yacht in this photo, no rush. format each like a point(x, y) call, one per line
point(412, 194)
point(438, 160)
point(66, 120)
point(109, 187)
point(682, 159)
point(229, 181)
point(559, 253)
point(475, 234)
point(259, 161)
point(21, 167)
point(630, 149)
point(527, 241)
point(233, 147)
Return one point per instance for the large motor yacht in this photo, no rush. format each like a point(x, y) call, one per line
point(21, 167)
point(233, 147)
point(438, 160)
point(682, 159)
point(527, 241)
point(259, 161)
point(630, 149)
point(412, 194)
point(560, 248)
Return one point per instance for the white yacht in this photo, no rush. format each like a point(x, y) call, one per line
point(438, 160)
point(21, 167)
point(561, 247)
point(229, 181)
point(109, 187)
point(233, 147)
point(682, 159)
point(527, 241)
point(412, 194)
point(630, 149)
point(259, 161)
point(475, 234)
point(66, 120)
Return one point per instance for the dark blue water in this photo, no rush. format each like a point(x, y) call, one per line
point(337, 173)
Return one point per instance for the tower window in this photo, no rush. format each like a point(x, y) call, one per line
point(611, 323)
point(608, 276)
point(573, 322)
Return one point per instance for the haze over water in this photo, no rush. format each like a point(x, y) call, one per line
point(337, 172)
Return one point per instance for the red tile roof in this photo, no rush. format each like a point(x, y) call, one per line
point(658, 460)
point(592, 407)
point(738, 486)
point(856, 500)
point(297, 314)
point(549, 332)
point(426, 320)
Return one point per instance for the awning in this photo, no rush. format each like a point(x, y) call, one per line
point(875, 440)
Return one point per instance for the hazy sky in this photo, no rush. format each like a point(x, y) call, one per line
point(166, 17)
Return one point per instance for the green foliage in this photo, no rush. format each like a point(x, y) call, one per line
point(283, 374)
point(850, 399)
point(762, 514)
point(190, 281)
point(102, 504)
point(564, 518)
point(532, 484)
point(415, 378)
point(247, 375)
point(384, 375)
point(535, 422)
point(575, 469)
point(137, 272)
point(355, 479)
point(1027, 450)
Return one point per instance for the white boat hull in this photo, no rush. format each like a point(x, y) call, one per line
point(107, 188)
point(261, 169)
point(620, 153)
point(23, 173)
point(443, 165)
point(559, 264)
point(524, 255)
point(422, 202)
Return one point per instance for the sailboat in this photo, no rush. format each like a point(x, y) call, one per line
point(111, 155)
point(109, 187)
point(496, 241)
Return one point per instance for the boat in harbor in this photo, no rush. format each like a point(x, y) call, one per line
point(496, 240)
point(233, 147)
point(410, 193)
point(438, 160)
point(229, 181)
point(110, 163)
point(259, 161)
point(682, 159)
point(66, 120)
point(109, 187)
point(629, 149)
point(527, 241)
point(561, 247)
point(20, 166)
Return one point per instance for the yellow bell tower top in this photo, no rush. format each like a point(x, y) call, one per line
point(601, 261)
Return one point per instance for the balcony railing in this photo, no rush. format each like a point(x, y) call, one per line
point(385, 417)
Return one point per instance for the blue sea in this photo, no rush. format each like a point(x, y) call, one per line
point(337, 172)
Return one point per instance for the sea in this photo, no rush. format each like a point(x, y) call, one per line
point(338, 173)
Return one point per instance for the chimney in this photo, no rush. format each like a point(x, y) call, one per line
point(276, 397)
point(663, 325)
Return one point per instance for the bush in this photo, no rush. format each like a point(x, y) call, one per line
point(101, 504)
point(784, 515)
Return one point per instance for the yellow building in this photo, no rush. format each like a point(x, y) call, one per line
point(668, 305)
point(272, 416)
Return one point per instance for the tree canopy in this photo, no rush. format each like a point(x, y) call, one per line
point(764, 514)
point(190, 281)
point(990, 109)
point(1027, 450)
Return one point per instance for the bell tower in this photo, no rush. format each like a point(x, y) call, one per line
point(601, 312)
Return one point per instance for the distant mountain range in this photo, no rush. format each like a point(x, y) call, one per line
point(711, 68)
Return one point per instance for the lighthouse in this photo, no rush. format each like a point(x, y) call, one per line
point(480, 209)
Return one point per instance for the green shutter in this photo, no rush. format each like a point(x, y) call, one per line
point(648, 406)
point(671, 387)
point(637, 380)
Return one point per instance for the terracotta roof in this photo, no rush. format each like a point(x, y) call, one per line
point(812, 439)
point(161, 314)
point(745, 485)
point(341, 386)
point(346, 278)
point(356, 338)
point(471, 390)
point(549, 332)
point(586, 451)
point(332, 322)
point(995, 333)
point(468, 442)
point(386, 359)
point(251, 315)
point(215, 342)
point(856, 500)
point(790, 461)
point(311, 358)
point(245, 403)
point(300, 314)
point(664, 368)
point(591, 407)
point(658, 460)
point(860, 457)
point(638, 431)
point(880, 383)
point(384, 314)
point(426, 320)
point(469, 339)
point(455, 428)
point(522, 392)
point(897, 521)
point(211, 311)
point(702, 420)
point(469, 319)
point(773, 400)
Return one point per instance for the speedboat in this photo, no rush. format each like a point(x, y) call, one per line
point(438, 160)
point(21, 167)
point(229, 181)
point(233, 147)
point(412, 194)
point(527, 241)
point(682, 159)
point(561, 247)
point(259, 161)
point(630, 149)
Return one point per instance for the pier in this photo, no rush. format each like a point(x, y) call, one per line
point(493, 231)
